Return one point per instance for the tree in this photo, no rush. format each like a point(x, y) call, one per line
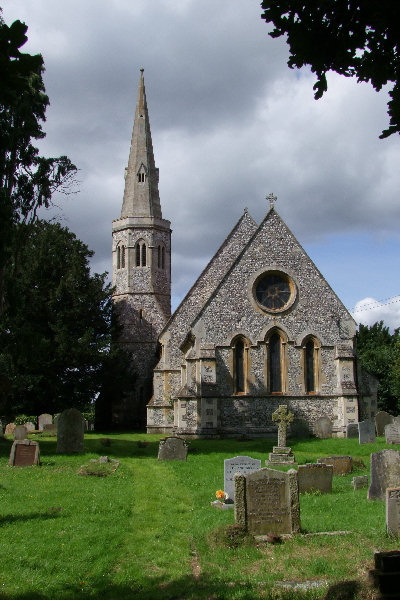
point(27, 180)
point(378, 351)
point(355, 38)
point(56, 331)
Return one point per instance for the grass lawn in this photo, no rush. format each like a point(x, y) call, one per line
point(148, 530)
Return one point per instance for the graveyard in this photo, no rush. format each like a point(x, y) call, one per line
point(147, 528)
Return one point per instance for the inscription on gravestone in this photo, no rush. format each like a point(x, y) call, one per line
point(393, 511)
point(392, 433)
point(267, 501)
point(239, 464)
point(24, 453)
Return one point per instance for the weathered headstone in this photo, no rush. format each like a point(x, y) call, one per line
point(366, 432)
point(44, 419)
point(386, 575)
point(173, 448)
point(10, 429)
point(315, 477)
point(281, 454)
point(20, 433)
point(267, 502)
point(392, 433)
point(360, 482)
point(239, 464)
point(393, 511)
point(385, 473)
point(382, 418)
point(30, 426)
point(323, 428)
point(70, 432)
point(50, 428)
point(24, 453)
point(352, 430)
point(341, 464)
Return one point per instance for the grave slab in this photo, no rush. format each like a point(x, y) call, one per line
point(70, 433)
point(315, 477)
point(323, 428)
point(24, 453)
point(385, 473)
point(20, 433)
point(173, 448)
point(382, 418)
point(393, 511)
point(341, 464)
point(239, 464)
point(392, 433)
point(366, 432)
point(44, 419)
point(267, 502)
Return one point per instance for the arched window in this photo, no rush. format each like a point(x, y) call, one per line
point(140, 254)
point(276, 362)
point(122, 257)
point(163, 257)
point(311, 365)
point(141, 177)
point(159, 257)
point(240, 365)
point(118, 257)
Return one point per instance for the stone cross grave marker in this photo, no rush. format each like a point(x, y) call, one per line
point(315, 477)
point(173, 448)
point(366, 432)
point(385, 473)
point(281, 454)
point(44, 419)
point(382, 418)
point(267, 502)
point(392, 433)
point(393, 511)
point(70, 432)
point(24, 453)
point(239, 464)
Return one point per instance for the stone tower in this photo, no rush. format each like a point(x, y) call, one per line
point(141, 267)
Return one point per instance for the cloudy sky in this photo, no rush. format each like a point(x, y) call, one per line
point(230, 124)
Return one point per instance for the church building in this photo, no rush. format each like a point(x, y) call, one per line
point(260, 327)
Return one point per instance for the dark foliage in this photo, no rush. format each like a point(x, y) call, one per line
point(355, 38)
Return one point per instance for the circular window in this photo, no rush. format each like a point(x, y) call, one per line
point(274, 291)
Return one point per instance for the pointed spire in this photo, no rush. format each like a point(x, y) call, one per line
point(141, 197)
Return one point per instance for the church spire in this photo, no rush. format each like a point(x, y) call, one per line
point(141, 197)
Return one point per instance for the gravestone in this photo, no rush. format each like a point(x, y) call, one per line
point(386, 575)
point(20, 433)
point(267, 502)
point(44, 419)
point(392, 433)
point(70, 432)
point(393, 511)
point(281, 454)
point(341, 464)
point(50, 428)
point(24, 453)
point(239, 464)
point(352, 430)
point(360, 482)
point(30, 426)
point(10, 429)
point(382, 418)
point(173, 448)
point(366, 432)
point(323, 428)
point(315, 477)
point(385, 473)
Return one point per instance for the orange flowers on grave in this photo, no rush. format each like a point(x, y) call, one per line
point(220, 494)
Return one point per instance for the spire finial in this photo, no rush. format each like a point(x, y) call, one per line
point(142, 70)
point(272, 199)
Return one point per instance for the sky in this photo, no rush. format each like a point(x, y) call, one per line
point(230, 123)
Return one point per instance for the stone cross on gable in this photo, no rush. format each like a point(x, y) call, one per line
point(283, 417)
point(272, 199)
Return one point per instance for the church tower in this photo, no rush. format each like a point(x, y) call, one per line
point(141, 267)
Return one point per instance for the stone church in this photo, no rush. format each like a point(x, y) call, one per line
point(260, 327)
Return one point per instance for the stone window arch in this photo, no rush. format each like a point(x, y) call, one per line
point(120, 256)
point(311, 364)
point(240, 364)
point(161, 257)
point(141, 253)
point(276, 343)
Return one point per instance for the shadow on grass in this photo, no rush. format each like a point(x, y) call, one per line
point(43, 516)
